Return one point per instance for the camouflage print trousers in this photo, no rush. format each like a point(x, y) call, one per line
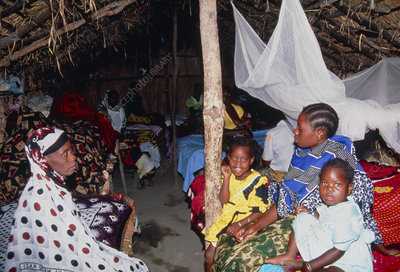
point(248, 256)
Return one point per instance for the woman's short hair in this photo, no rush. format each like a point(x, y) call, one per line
point(244, 142)
point(321, 115)
point(343, 165)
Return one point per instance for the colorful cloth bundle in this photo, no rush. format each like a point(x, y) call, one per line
point(197, 212)
point(73, 107)
point(105, 217)
point(383, 263)
point(14, 166)
point(14, 169)
point(386, 211)
point(386, 208)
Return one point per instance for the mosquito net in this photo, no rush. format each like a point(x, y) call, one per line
point(289, 73)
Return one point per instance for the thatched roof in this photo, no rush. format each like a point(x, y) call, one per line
point(44, 34)
point(352, 35)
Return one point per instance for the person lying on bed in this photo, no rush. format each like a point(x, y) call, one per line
point(48, 232)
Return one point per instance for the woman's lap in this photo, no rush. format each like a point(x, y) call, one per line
point(247, 256)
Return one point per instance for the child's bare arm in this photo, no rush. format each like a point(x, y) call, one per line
point(329, 257)
point(224, 192)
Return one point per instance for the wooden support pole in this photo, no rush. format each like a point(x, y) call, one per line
point(213, 110)
point(173, 90)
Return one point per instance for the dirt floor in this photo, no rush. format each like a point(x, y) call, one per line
point(166, 242)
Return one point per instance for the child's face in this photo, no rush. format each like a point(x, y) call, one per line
point(333, 187)
point(240, 161)
point(304, 134)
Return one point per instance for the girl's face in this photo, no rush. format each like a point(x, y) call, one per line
point(240, 161)
point(333, 187)
point(305, 135)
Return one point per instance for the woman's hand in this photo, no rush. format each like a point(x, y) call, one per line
point(234, 229)
point(246, 233)
point(226, 171)
point(107, 183)
point(292, 265)
point(301, 209)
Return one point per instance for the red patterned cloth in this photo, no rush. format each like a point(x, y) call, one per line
point(196, 193)
point(386, 208)
point(73, 107)
point(378, 171)
point(384, 263)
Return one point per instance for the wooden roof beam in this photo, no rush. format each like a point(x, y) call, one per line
point(338, 54)
point(108, 10)
point(23, 30)
point(16, 7)
point(364, 21)
point(350, 42)
point(9, 27)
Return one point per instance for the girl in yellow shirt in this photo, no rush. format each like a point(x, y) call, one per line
point(243, 195)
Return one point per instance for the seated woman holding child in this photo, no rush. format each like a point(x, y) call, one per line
point(333, 238)
point(249, 246)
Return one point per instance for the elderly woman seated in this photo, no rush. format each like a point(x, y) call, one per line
point(48, 231)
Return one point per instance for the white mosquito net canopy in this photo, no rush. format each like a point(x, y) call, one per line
point(289, 73)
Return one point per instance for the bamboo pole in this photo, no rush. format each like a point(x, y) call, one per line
point(213, 107)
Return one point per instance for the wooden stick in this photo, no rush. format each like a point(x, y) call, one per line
point(173, 89)
point(25, 29)
point(213, 111)
point(109, 10)
point(366, 22)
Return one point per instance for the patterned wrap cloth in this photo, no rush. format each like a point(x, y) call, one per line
point(48, 231)
point(300, 187)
